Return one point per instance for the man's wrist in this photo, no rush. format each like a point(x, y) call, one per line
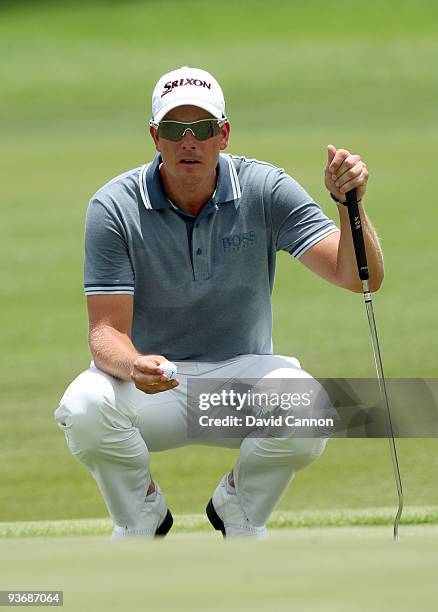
point(338, 201)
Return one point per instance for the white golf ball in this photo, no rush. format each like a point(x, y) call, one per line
point(169, 369)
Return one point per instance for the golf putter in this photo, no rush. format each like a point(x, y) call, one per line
point(362, 266)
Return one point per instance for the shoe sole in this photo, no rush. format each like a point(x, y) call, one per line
point(214, 518)
point(165, 526)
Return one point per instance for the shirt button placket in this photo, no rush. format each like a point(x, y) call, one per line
point(200, 267)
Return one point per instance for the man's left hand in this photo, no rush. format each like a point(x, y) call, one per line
point(343, 172)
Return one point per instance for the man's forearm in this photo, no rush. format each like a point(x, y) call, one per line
point(346, 268)
point(113, 352)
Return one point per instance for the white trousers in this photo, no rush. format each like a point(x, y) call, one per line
point(111, 427)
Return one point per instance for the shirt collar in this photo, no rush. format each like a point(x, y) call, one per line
point(153, 196)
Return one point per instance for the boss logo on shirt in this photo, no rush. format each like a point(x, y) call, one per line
point(182, 83)
point(237, 242)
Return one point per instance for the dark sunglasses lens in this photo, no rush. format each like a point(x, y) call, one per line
point(202, 130)
point(206, 129)
point(171, 130)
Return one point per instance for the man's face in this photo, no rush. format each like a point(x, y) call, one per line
point(190, 161)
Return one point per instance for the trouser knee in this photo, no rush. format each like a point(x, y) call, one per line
point(80, 413)
point(301, 452)
point(294, 453)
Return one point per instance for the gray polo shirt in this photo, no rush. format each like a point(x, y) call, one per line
point(205, 294)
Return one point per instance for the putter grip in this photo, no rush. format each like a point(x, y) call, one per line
point(357, 233)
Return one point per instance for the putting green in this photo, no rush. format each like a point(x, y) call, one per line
point(330, 569)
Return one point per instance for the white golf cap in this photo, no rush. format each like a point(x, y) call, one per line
point(191, 86)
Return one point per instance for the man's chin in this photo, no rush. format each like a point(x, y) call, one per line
point(190, 168)
point(191, 175)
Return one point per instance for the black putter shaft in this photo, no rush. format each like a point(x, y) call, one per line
point(362, 266)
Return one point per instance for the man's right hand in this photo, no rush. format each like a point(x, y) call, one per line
point(148, 377)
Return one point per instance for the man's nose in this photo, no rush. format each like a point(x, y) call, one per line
point(188, 138)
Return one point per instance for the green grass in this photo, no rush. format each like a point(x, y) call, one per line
point(76, 82)
point(322, 569)
point(192, 523)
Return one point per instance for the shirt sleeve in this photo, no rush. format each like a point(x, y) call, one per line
point(297, 221)
point(107, 267)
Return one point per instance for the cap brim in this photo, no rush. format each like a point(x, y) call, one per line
point(210, 108)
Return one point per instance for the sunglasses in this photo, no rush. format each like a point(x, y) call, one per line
point(201, 130)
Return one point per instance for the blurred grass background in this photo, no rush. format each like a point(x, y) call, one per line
point(76, 80)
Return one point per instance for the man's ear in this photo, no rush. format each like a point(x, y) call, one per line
point(153, 132)
point(225, 135)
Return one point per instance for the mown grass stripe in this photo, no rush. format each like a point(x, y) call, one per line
point(198, 522)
